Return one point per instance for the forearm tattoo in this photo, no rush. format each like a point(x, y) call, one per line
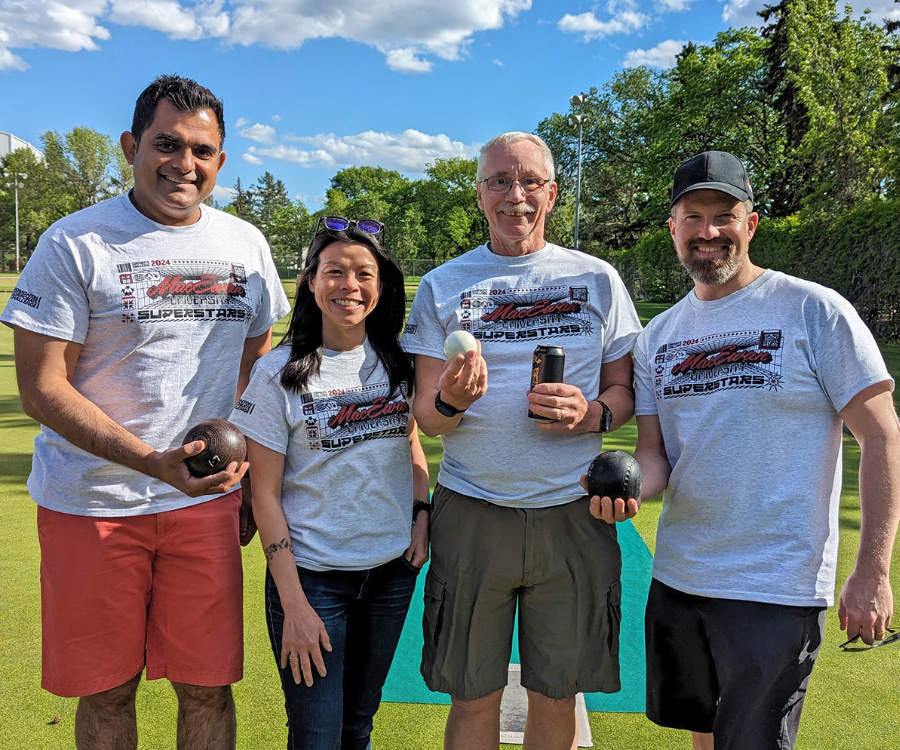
point(275, 546)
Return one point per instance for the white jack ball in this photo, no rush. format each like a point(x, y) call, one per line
point(459, 342)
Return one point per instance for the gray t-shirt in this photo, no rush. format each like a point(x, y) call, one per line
point(555, 296)
point(347, 493)
point(162, 314)
point(748, 390)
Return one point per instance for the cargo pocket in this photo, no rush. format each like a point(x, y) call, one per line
point(435, 590)
point(614, 610)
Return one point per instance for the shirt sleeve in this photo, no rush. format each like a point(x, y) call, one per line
point(846, 358)
point(644, 391)
point(51, 296)
point(274, 303)
point(424, 332)
point(623, 324)
point(263, 411)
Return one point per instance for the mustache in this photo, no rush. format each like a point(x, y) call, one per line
point(522, 208)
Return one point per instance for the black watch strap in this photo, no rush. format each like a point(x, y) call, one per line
point(605, 418)
point(444, 408)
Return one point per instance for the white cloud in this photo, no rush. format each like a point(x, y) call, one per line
point(740, 13)
point(9, 61)
point(660, 56)
point(624, 19)
point(251, 159)
point(276, 118)
point(498, 62)
point(259, 133)
point(166, 16)
point(405, 61)
point(407, 32)
point(674, 6)
point(68, 25)
point(241, 122)
point(409, 151)
point(223, 194)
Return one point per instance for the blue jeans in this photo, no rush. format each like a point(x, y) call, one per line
point(363, 612)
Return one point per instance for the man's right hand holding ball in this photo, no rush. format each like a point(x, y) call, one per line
point(464, 379)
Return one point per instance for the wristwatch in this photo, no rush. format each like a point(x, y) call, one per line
point(605, 418)
point(420, 505)
point(444, 408)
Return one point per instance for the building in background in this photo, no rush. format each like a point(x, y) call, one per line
point(10, 143)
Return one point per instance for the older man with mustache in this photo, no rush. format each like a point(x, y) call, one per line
point(742, 389)
point(511, 527)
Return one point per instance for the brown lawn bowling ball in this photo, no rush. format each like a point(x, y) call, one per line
point(614, 474)
point(224, 444)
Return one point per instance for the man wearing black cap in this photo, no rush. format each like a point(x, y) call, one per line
point(742, 388)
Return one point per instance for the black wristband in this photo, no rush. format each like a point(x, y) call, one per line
point(418, 506)
point(444, 408)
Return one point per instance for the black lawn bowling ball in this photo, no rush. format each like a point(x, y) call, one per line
point(614, 474)
point(224, 444)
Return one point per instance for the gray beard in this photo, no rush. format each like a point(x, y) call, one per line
point(712, 271)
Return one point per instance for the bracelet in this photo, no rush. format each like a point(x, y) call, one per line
point(418, 506)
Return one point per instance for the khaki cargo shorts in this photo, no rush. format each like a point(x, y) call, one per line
point(559, 566)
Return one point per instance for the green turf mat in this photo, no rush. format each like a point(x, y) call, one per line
point(405, 684)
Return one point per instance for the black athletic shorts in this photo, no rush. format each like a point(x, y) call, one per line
point(737, 669)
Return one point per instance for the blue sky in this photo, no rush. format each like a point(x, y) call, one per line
point(312, 86)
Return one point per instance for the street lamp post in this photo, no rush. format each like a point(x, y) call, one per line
point(15, 184)
point(577, 101)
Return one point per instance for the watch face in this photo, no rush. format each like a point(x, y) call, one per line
point(605, 419)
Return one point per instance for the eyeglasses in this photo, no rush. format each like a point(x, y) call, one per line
point(504, 184)
point(854, 644)
point(340, 224)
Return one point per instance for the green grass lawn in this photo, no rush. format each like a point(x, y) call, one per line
point(851, 702)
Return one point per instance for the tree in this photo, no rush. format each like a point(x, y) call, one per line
point(286, 224)
point(839, 66)
point(615, 154)
point(384, 195)
point(447, 202)
point(88, 166)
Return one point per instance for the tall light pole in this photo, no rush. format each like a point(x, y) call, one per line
point(577, 101)
point(15, 184)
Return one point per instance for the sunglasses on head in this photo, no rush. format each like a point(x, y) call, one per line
point(340, 224)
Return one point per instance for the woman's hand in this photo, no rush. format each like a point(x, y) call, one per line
point(417, 552)
point(302, 640)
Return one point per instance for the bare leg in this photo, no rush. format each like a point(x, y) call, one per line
point(206, 718)
point(474, 725)
point(550, 724)
point(107, 721)
point(702, 741)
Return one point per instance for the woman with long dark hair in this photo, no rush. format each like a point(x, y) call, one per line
point(337, 468)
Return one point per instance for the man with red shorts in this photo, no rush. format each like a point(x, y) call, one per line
point(134, 319)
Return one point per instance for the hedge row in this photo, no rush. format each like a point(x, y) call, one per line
point(857, 254)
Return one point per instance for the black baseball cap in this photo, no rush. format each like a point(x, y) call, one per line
point(712, 170)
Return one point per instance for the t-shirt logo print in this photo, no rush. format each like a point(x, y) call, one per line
point(337, 420)
point(183, 289)
point(720, 361)
point(516, 314)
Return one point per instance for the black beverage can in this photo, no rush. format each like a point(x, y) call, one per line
point(548, 365)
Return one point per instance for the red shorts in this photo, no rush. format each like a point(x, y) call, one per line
point(163, 591)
